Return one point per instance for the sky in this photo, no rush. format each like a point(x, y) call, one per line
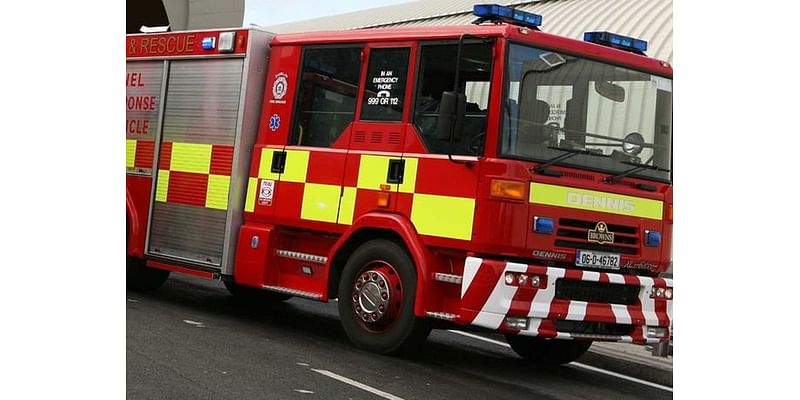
point(273, 12)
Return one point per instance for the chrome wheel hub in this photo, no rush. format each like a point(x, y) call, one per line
point(371, 296)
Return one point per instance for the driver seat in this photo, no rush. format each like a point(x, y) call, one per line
point(531, 137)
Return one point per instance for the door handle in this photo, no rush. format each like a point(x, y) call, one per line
point(396, 169)
point(278, 162)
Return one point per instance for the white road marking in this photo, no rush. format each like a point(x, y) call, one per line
point(359, 385)
point(576, 364)
point(303, 391)
point(195, 323)
point(302, 364)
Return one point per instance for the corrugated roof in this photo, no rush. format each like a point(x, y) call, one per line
point(650, 20)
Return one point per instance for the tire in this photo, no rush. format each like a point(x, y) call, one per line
point(544, 352)
point(250, 294)
point(376, 299)
point(142, 278)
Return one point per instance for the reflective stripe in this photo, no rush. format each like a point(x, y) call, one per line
point(265, 164)
point(162, 184)
point(296, 166)
point(130, 152)
point(373, 171)
point(217, 192)
point(591, 200)
point(347, 206)
point(250, 200)
point(191, 157)
point(320, 202)
point(443, 216)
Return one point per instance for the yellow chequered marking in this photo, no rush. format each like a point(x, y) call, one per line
point(217, 192)
point(265, 164)
point(320, 202)
point(373, 171)
point(443, 216)
point(409, 176)
point(347, 206)
point(250, 200)
point(130, 152)
point(191, 157)
point(162, 183)
point(296, 166)
point(562, 196)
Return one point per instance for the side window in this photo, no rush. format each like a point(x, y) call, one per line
point(384, 91)
point(328, 90)
point(437, 74)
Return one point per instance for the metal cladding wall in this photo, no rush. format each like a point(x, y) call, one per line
point(650, 20)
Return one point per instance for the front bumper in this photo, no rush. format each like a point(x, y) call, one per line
point(487, 301)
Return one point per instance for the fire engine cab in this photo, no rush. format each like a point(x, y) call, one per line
point(489, 176)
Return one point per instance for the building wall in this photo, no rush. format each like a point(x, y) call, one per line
point(650, 20)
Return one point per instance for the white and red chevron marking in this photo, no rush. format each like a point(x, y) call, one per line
point(486, 300)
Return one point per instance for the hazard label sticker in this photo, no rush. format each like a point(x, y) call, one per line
point(265, 192)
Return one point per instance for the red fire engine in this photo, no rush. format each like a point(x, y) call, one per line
point(489, 176)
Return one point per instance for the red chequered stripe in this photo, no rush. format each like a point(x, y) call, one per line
point(165, 156)
point(144, 154)
point(187, 188)
point(325, 167)
point(221, 159)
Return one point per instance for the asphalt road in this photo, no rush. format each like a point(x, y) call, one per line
point(192, 340)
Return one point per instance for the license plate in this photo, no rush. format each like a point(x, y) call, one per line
point(597, 260)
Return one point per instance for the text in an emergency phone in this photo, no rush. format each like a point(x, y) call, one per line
point(383, 90)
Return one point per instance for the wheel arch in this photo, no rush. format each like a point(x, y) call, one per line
point(133, 232)
point(382, 226)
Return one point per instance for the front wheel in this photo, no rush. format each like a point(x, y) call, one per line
point(376, 299)
point(540, 351)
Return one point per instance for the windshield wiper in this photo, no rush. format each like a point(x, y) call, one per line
point(568, 153)
point(636, 168)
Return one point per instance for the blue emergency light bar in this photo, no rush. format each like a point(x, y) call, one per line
point(617, 41)
point(507, 14)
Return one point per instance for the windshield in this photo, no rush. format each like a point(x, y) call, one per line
point(621, 116)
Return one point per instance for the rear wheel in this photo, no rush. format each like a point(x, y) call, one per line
point(547, 351)
point(376, 299)
point(143, 278)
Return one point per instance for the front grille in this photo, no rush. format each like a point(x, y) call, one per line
point(573, 233)
point(593, 328)
point(596, 292)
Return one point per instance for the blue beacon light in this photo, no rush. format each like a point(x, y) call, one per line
point(615, 40)
point(507, 14)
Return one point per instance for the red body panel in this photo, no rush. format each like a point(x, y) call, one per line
point(137, 204)
point(179, 44)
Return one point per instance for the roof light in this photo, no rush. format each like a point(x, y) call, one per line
point(208, 43)
point(506, 14)
point(617, 41)
point(226, 41)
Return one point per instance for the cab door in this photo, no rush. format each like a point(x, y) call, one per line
point(375, 171)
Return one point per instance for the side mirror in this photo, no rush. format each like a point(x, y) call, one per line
point(610, 91)
point(451, 116)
